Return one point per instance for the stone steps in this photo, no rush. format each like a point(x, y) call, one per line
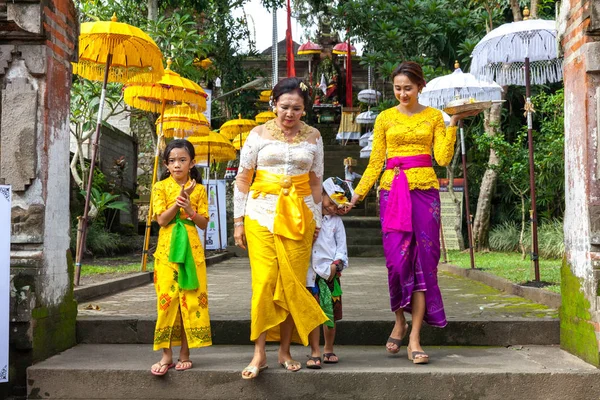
point(486, 373)
point(363, 332)
point(363, 235)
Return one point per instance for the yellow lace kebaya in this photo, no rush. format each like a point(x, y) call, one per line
point(399, 135)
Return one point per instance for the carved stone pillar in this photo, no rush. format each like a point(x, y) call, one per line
point(37, 41)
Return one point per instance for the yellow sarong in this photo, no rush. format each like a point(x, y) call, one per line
point(280, 260)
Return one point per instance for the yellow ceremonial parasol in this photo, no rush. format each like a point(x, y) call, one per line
point(236, 142)
point(265, 116)
point(116, 52)
point(181, 121)
point(210, 149)
point(265, 96)
point(234, 127)
point(171, 89)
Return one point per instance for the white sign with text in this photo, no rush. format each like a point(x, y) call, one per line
point(217, 216)
point(5, 197)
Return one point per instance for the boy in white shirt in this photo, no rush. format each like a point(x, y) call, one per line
point(329, 258)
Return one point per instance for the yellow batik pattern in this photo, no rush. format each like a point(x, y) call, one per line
point(399, 135)
point(179, 309)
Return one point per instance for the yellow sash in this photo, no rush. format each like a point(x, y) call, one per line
point(292, 216)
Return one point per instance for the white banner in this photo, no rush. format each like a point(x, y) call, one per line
point(208, 105)
point(217, 215)
point(5, 196)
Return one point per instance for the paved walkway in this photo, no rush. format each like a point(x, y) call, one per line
point(365, 289)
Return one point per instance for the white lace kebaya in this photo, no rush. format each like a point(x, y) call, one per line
point(264, 150)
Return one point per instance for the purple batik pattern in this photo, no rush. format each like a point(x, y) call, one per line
point(412, 257)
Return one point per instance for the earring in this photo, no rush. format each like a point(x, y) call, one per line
point(304, 113)
point(275, 110)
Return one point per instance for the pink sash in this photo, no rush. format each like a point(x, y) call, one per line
point(398, 213)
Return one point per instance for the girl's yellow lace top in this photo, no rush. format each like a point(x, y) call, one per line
point(164, 196)
point(399, 135)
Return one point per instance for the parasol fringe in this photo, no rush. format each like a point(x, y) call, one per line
point(539, 46)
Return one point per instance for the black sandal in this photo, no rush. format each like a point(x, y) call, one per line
point(327, 356)
point(397, 342)
point(314, 360)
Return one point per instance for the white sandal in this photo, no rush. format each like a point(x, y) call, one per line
point(254, 371)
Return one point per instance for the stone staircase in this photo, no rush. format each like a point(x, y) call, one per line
point(495, 347)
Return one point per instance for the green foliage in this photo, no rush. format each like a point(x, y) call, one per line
point(101, 242)
point(105, 201)
point(178, 36)
point(505, 238)
point(446, 30)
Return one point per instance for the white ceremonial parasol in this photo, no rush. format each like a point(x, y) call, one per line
point(500, 56)
point(453, 86)
point(368, 96)
point(458, 85)
point(365, 139)
point(520, 53)
point(366, 118)
point(365, 152)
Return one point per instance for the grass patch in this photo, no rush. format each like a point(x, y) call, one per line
point(510, 266)
point(88, 270)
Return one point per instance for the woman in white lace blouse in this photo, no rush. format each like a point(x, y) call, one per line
point(277, 216)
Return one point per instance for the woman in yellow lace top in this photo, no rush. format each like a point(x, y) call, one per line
point(403, 139)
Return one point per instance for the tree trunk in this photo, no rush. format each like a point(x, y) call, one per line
point(458, 205)
point(516, 10)
point(481, 223)
point(533, 11)
point(152, 10)
point(522, 235)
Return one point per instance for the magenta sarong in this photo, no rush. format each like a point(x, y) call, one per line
point(412, 256)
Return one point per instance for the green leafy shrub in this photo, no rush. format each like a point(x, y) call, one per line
point(505, 238)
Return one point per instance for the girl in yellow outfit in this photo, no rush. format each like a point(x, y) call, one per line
point(278, 215)
point(180, 204)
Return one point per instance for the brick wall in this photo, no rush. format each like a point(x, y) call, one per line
point(580, 317)
point(37, 43)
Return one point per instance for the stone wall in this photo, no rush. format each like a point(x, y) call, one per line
point(37, 41)
point(579, 31)
point(117, 158)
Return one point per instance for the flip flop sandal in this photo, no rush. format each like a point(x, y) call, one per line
point(291, 363)
point(254, 371)
point(327, 356)
point(184, 368)
point(158, 373)
point(314, 360)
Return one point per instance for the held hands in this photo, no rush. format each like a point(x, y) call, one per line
point(347, 207)
point(333, 272)
point(183, 200)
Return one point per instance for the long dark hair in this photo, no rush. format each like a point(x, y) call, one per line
point(413, 71)
point(187, 146)
point(290, 85)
